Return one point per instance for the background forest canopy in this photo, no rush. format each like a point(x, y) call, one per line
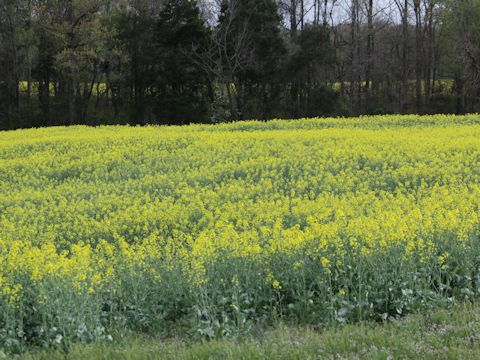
point(180, 61)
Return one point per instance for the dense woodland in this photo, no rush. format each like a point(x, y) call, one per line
point(181, 61)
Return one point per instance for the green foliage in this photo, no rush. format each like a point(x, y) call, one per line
point(259, 22)
point(253, 41)
point(441, 334)
point(181, 86)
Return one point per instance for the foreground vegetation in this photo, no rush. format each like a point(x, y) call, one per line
point(439, 335)
point(212, 231)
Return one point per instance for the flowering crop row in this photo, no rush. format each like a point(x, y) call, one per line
point(224, 226)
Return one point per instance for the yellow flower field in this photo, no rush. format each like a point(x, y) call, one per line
point(316, 221)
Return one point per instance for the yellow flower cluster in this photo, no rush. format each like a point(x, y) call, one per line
point(83, 204)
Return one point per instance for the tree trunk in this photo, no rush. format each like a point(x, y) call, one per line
point(430, 52)
point(459, 94)
point(29, 82)
point(302, 14)
point(354, 50)
point(370, 48)
point(325, 12)
point(418, 55)
point(232, 102)
point(10, 72)
point(71, 100)
point(293, 19)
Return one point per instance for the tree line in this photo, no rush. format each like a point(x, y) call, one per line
point(94, 62)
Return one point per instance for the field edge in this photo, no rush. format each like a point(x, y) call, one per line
point(440, 334)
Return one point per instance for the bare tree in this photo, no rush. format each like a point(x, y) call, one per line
point(403, 8)
point(228, 51)
point(419, 54)
point(370, 49)
point(290, 8)
point(355, 76)
point(466, 17)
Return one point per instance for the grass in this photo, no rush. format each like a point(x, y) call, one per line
point(442, 334)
